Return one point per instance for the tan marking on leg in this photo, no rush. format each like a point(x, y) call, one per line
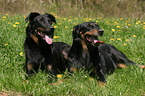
point(58, 82)
point(73, 69)
point(101, 84)
point(142, 66)
point(120, 65)
point(49, 67)
point(65, 55)
point(30, 66)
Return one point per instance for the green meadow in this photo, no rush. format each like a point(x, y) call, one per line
point(128, 35)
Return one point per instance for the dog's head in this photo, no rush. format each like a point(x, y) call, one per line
point(40, 26)
point(88, 32)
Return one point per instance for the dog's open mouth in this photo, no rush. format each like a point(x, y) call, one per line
point(93, 39)
point(46, 38)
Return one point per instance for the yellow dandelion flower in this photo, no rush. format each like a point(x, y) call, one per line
point(124, 44)
point(128, 24)
point(112, 39)
point(7, 14)
point(90, 19)
point(59, 23)
point(121, 18)
point(116, 23)
point(87, 20)
point(66, 26)
point(97, 21)
point(55, 26)
point(14, 25)
point(6, 44)
point(91, 79)
point(136, 23)
point(107, 22)
point(118, 38)
point(56, 37)
point(113, 29)
point(64, 19)
point(118, 26)
point(21, 53)
point(24, 16)
point(127, 40)
point(134, 35)
point(59, 76)
point(17, 23)
point(69, 20)
point(127, 20)
point(52, 13)
point(4, 17)
point(56, 16)
point(9, 22)
point(75, 23)
point(76, 18)
point(139, 21)
point(100, 17)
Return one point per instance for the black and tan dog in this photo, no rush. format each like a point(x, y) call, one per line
point(89, 52)
point(40, 51)
point(38, 42)
point(84, 51)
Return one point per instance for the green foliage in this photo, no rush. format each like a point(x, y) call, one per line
point(126, 34)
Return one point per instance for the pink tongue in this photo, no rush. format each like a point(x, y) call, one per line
point(48, 40)
point(99, 42)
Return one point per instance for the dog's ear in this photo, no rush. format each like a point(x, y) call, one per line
point(76, 31)
point(51, 17)
point(31, 16)
point(100, 31)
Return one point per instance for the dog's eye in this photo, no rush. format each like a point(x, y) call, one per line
point(50, 21)
point(97, 25)
point(88, 26)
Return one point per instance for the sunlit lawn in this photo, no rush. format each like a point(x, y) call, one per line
point(128, 35)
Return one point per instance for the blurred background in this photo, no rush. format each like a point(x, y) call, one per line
point(77, 8)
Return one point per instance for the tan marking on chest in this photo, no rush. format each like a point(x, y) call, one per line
point(35, 39)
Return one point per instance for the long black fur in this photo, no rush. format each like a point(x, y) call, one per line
point(85, 54)
point(38, 52)
point(41, 52)
point(113, 54)
point(60, 52)
point(100, 59)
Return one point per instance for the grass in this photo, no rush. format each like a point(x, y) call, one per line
point(126, 34)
